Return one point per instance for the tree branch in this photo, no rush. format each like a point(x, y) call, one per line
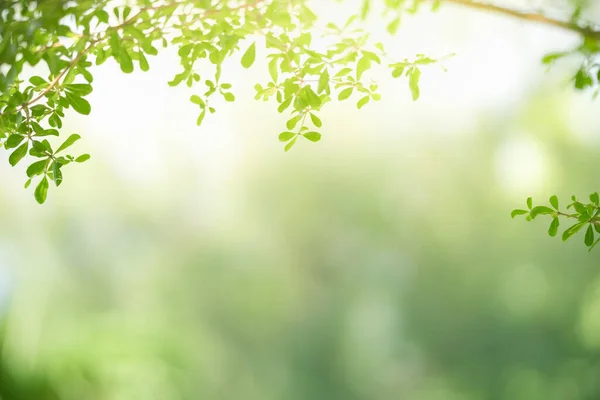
point(529, 16)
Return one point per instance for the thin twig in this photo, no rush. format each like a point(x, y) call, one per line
point(530, 16)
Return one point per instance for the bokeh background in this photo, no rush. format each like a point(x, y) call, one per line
point(381, 263)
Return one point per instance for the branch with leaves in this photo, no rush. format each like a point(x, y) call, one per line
point(586, 215)
point(72, 37)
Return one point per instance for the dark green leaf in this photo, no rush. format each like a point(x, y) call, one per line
point(554, 227)
point(18, 154)
point(13, 141)
point(572, 230)
point(56, 173)
point(41, 191)
point(37, 168)
point(589, 236)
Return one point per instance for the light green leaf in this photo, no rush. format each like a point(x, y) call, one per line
point(316, 120)
point(82, 158)
point(291, 144)
point(285, 136)
point(274, 69)
point(69, 142)
point(415, 75)
point(362, 102)
point(514, 213)
point(344, 94)
point(554, 202)
point(313, 136)
point(249, 56)
point(323, 81)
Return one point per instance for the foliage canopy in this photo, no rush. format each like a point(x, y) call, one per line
point(68, 38)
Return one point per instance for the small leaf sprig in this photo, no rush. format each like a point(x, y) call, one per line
point(586, 214)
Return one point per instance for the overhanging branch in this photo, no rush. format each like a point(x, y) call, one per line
point(529, 16)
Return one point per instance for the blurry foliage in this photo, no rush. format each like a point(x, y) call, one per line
point(68, 37)
point(389, 274)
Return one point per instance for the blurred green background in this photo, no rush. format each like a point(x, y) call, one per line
point(381, 263)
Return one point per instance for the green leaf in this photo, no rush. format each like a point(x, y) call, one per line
point(37, 168)
point(554, 202)
point(514, 213)
point(323, 81)
point(363, 102)
point(82, 158)
point(529, 202)
point(70, 140)
point(344, 94)
point(316, 120)
point(56, 173)
point(125, 62)
point(313, 136)
point(393, 26)
point(290, 144)
point(313, 99)
point(41, 191)
point(589, 236)
point(197, 100)
point(79, 104)
point(343, 72)
point(18, 154)
point(27, 183)
point(37, 81)
point(366, 7)
point(594, 198)
point(274, 69)
point(553, 227)
point(291, 123)
point(363, 64)
point(79, 89)
point(594, 245)
point(201, 117)
point(285, 136)
point(144, 66)
point(541, 210)
point(415, 75)
point(572, 230)
point(398, 71)
point(13, 141)
point(229, 97)
point(249, 56)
